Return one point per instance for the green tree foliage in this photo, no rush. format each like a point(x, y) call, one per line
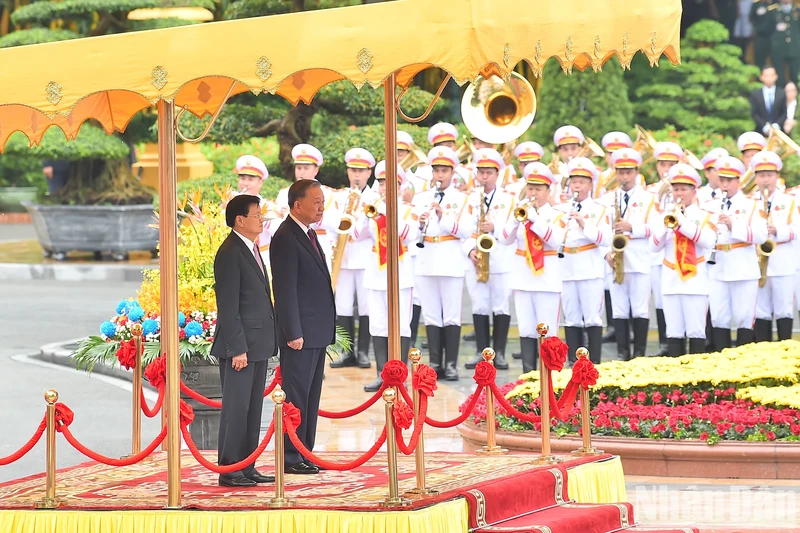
point(706, 93)
point(595, 102)
point(36, 36)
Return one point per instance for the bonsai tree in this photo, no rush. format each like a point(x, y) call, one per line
point(706, 93)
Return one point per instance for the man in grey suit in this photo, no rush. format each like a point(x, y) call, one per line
point(245, 338)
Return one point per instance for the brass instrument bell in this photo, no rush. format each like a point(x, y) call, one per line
point(498, 111)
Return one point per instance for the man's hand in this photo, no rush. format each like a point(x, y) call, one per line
point(623, 225)
point(610, 259)
point(438, 210)
point(725, 220)
point(772, 230)
point(296, 344)
point(487, 226)
point(577, 218)
point(48, 172)
point(473, 256)
point(238, 362)
point(423, 218)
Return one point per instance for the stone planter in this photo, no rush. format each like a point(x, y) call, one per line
point(11, 198)
point(93, 228)
point(203, 377)
point(652, 457)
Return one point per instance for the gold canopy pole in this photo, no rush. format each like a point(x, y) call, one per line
point(392, 236)
point(168, 264)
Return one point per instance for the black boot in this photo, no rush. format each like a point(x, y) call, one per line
point(662, 332)
point(622, 328)
point(641, 326)
point(676, 347)
point(416, 312)
point(745, 336)
point(363, 342)
point(452, 339)
point(405, 346)
point(347, 323)
point(530, 354)
point(710, 334)
point(435, 344)
point(697, 345)
point(722, 338)
point(595, 334)
point(610, 335)
point(574, 339)
point(763, 330)
point(471, 336)
point(784, 326)
point(481, 323)
point(381, 347)
point(500, 339)
point(517, 355)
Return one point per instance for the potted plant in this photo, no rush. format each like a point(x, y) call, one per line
point(21, 179)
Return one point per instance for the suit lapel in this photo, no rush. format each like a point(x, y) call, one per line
point(250, 258)
point(305, 242)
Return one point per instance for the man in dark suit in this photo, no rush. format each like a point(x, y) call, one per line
point(768, 103)
point(306, 313)
point(245, 338)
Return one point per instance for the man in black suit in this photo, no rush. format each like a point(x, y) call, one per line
point(245, 338)
point(306, 313)
point(768, 103)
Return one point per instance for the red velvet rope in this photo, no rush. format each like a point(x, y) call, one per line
point(527, 417)
point(227, 469)
point(216, 404)
point(16, 456)
point(328, 465)
point(398, 432)
point(108, 460)
point(356, 410)
point(148, 412)
point(459, 420)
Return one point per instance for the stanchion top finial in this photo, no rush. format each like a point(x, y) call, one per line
point(278, 396)
point(51, 396)
point(582, 353)
point(488, 355)
point(136, 329)
point(389, 395)
point(543, 329)
point(414, 355)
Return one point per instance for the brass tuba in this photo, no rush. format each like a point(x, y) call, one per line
point(765, 250)
point(618, 243)
point(484, 244)
point(497, 111)
point(415, 157)
point(591, 149)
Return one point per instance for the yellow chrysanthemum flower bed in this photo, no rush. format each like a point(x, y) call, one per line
point(772, 396)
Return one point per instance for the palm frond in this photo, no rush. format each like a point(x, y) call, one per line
point(93, 350)
point(342, 343)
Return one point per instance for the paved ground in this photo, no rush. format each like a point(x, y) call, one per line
point(17, 232)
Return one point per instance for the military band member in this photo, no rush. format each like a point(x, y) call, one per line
point(568, 140)
point(741, 226)
point(775, 297)
point(444, 221)
point(405, 143)
point(526, 152)
point(444, 134)
point(686, 247)
point(750, 143)
point(373, 231)
point(535, 277)
point(354, 259)
point(582, 267)
point(492, 296)
point(252, 172)
point(633, 212)
point(711, 189)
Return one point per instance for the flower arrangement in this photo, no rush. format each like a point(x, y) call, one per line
point(749, 393)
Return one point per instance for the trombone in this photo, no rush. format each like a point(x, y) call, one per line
point(424, 232)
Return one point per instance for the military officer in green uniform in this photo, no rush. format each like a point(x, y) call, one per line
point(763, 20)
point(785, 48)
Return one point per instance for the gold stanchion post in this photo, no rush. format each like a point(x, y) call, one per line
point(278, 396)
point(136, 404)
point(546, 458)
point(420, 491)
point(394, 499)
point(50, 501)
point(491, 447)
point(586, 417)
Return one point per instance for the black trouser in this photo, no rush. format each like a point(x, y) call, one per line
point(301, 372)
point(240, 418)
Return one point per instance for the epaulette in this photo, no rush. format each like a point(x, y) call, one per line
point(773, 7)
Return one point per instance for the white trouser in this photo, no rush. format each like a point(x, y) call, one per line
point(733, 300)
point(494, 296)
point(655, 286)
point(441, 299)
point(582, 302)
point(685, 315)
point(415, 295)
point(379, 313)
point(775, 298)
point(631, 296)
point(533, 308)
point(797, 288)
point(349, 286)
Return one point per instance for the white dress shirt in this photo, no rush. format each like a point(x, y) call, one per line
point(250, 244)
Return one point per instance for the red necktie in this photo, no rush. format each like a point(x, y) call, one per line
point(313, 236)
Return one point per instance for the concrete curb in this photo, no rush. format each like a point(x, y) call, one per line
point(60, 353)
point(75, 272)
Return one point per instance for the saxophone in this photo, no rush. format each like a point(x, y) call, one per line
point(618, 244)
point(344, 230)
point(765, 250)
point(484, 244)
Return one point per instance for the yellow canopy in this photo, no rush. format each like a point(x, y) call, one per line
point(111, 78)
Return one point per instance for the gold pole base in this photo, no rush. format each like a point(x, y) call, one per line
point(586, 452)
point(491, 450)
point(395, 502)
point(277, 503)
point(148, 459)
point(423, 492)
point(547, 460)
point(47, 503)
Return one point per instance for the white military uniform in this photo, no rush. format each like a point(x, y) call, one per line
point(706, 193)
point(526, 152)
point(564, 135)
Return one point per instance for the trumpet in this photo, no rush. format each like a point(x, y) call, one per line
point(564, 242)
point(765, 250)
point(421, 241)
point(712, 258)
point(371, 210)
point(671, 219)
point(521, 211)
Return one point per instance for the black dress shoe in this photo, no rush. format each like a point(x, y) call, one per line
point(238, 481)
point(309, 463)
point(301, 468)
point(261, 478)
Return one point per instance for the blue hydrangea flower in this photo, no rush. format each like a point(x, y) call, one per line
point(193, 328)
point(123, 307)
point(136, 314)
point(149, 327)
point(108, 329)
point(181, 319)
point(135, 304)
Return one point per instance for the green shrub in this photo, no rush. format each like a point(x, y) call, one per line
point(224, 156)
point(35, 36)
point(208, 186)
point(21, 171)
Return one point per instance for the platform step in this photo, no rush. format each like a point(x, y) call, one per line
point(568, 518)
